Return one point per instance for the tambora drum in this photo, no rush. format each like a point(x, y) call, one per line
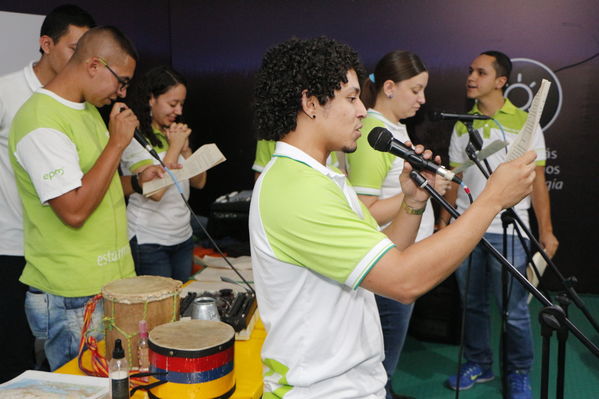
point(197, 356)
point(127, 301)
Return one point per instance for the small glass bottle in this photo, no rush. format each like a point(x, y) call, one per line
point(118, 372)
point(143, 354)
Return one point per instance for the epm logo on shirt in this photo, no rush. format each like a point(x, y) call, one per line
point(56, 172)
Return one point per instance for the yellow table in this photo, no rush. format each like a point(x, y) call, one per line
point(248, 366)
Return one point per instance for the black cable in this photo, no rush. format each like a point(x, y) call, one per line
point(216, 246)
point(180, 190)
point(576, 64)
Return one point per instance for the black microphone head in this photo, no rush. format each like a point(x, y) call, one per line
point(380, 139)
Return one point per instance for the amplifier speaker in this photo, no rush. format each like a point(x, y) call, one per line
point(229, 216)
point(437, 315)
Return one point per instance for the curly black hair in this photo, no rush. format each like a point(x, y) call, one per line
point(153, 83)
point(318, 65)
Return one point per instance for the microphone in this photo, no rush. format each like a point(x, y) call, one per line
point(142, 140)
point(144, 143)
point(437, 116)
point(381, 139)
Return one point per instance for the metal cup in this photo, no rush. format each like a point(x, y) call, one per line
point(204, 308)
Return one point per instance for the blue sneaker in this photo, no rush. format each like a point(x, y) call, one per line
point(519, 386)
point(470, 373)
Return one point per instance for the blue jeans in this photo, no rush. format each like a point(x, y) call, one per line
point(485, 278)
point(173, 261)
point(395, 319)
point(59, 320)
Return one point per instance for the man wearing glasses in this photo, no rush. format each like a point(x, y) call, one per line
point(65, 162)
point(59, 35)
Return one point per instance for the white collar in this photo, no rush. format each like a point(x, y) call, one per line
point(31, 78)
point(70, 104)
point(283, 149)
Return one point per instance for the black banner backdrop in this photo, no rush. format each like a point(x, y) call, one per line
point(218, 46)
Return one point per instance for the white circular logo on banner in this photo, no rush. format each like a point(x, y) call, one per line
point(526, 80)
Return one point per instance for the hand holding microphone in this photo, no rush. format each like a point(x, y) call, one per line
point(121, 112)
point(121, 125)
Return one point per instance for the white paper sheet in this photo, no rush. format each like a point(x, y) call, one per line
point(524, 139)
point(214, 274)
point(240, 263)
point(201, 160)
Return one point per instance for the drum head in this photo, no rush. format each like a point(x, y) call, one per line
point(191, 336)
point(140, 289)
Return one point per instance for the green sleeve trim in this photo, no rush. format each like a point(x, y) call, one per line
point(285, 156)
point(139, 164)
point(374, 262)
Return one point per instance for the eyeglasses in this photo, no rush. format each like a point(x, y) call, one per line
point(123, 82)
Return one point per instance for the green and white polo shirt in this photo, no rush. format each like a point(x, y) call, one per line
point(53, 143)
point(376, 173)
point(512, 120)
point(312, 244)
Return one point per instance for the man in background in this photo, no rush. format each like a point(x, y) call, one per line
point(487, 79)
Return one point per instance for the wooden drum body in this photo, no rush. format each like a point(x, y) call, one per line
point(127, 301)
point(197, 356)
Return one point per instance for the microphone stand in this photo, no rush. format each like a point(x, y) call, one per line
point(475, 144)
point(510, 216)
point(548, 321)
point(552, 317)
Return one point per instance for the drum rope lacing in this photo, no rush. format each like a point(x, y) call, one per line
point(98, 362)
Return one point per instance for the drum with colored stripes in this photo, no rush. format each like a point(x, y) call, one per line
point(197, 357)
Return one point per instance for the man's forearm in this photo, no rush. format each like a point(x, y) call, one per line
point(405, 224)
point(541, 203)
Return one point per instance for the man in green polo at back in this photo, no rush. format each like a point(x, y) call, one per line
point(65, 162)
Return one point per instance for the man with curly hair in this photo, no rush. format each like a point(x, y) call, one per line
point(317, 253)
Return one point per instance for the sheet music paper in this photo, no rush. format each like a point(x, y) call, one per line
point(201, 160)
point(482, 154)
point(541, 265)
point(524, 139)
point(214, 274)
